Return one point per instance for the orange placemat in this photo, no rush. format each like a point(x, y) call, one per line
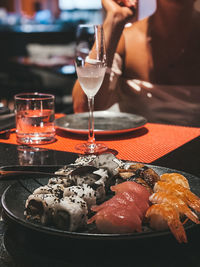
point(146, 144)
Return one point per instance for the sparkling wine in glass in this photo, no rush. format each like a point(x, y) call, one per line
point(90, 68)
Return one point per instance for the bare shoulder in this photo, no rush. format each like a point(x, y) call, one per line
point(137, 29)
point(136, 51)
point(132, 37)
point(121, 46)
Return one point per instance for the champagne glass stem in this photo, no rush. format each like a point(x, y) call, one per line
point(91, 138)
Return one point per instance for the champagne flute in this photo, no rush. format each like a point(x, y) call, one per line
point(90, 67)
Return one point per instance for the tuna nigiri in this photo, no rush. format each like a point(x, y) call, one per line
point(133, 187)
point(124, 212)
point(117, 220)
point(124, 199)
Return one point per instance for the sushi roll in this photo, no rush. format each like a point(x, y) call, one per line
point(92, 176)
point(98, 185)
point(55, 189)
point(68, 181)
point(66, 170)
point(70, 213)
point(39, 207)
point(106, 161)
point(85, 160)
point(109, 162)
point(104, 177)
point(85, 175)
point(85, 192)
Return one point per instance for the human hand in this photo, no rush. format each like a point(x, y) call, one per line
point(122, 10)
point(127, 3)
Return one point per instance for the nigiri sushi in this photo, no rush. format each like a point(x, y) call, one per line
point(124, 212)
point(161, 216)
point(139, 170)
point(176, 178)
point(117, 220)
point(181, 192)
point(124, 199)
point(179, 204)
point(133, 187)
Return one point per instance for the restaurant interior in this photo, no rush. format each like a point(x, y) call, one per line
point(38, 44)
point(37, 52)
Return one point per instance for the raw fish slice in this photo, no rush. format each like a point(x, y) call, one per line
point(120, 202)
point(115, 220)
point(125, 198)
point(127, 216)
point(142, 182)
point(115, 201)
point(133, 187)
point(142, 205)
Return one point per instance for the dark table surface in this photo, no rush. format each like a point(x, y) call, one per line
point(19, 248)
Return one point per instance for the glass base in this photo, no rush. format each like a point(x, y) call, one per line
point(91, 148)
point(35, 139)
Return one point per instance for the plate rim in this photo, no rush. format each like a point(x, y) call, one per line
point(89, 236)
point(97, 131)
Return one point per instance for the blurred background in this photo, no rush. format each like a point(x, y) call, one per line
point(38, 43)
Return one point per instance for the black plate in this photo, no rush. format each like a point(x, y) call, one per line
point(13, 202)
point(105, 122)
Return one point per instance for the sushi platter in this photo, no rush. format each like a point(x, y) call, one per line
point(73, 206)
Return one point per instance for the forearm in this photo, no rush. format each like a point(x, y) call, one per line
point(116, 19)
point(112, 33)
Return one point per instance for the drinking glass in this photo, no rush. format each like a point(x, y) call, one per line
point(90, 67)
point(35, 115)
